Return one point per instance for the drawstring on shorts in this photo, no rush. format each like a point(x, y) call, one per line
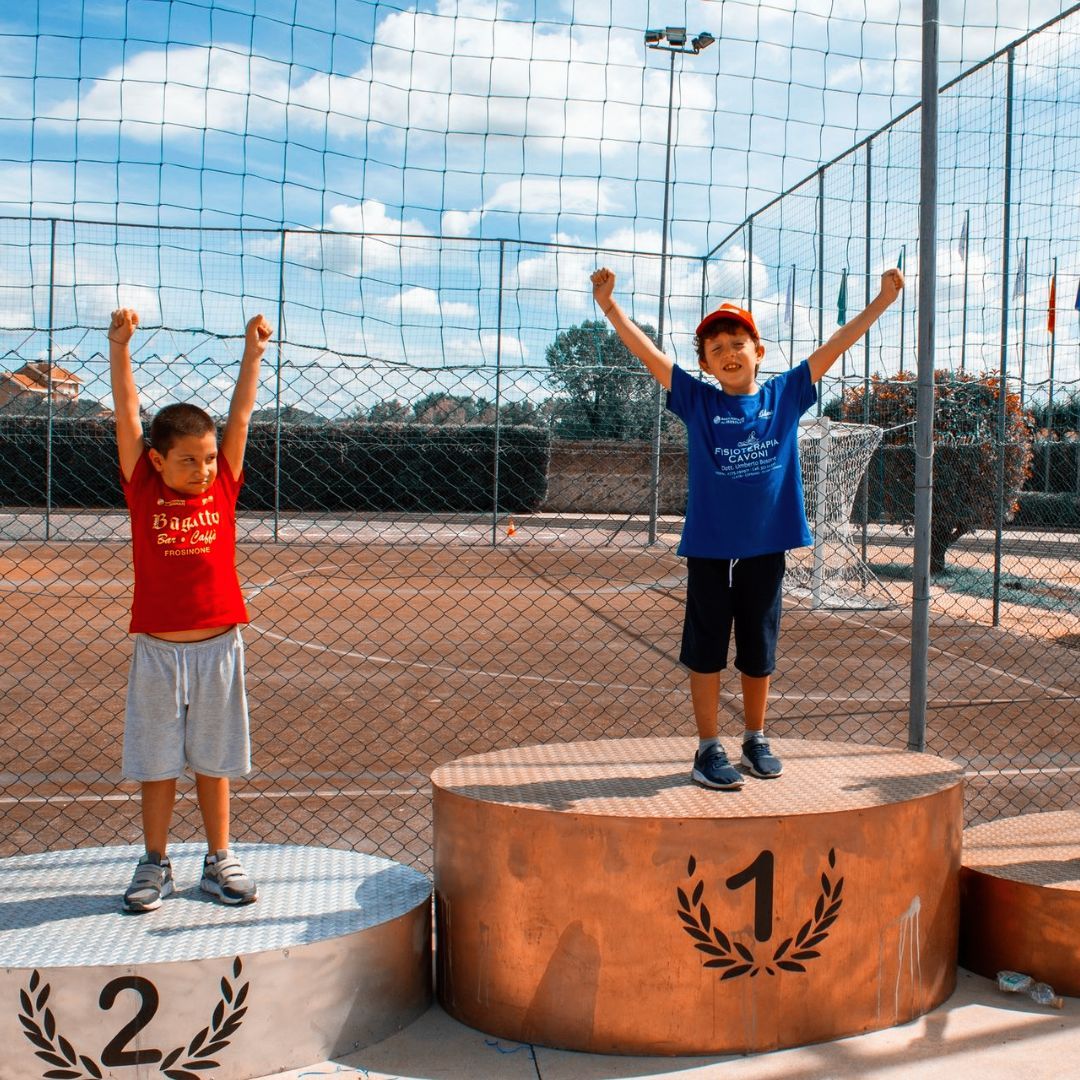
point(181, 680)
point(731, 573)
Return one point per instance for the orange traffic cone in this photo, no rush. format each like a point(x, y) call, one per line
point(511, 528)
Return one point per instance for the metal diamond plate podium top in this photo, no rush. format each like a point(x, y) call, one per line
point(62, 908)
point(1033, 849)
point(650, 778)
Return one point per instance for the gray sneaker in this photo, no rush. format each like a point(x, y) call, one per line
point(153, 881)
point(224, 877)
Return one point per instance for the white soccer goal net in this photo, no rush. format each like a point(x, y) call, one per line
point(833, 574)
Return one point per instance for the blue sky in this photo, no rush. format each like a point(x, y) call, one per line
point(532, 123)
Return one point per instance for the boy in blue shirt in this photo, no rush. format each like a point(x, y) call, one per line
point(744, 507)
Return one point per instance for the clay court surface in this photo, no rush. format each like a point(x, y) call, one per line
point(380, 649)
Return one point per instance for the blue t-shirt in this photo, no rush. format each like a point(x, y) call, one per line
point(745, 492)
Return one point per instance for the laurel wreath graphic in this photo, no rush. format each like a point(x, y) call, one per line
point(738, 959)
point(39, 1026)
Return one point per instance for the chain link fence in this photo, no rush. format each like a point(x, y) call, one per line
point(459, 522)
point(1004, 694)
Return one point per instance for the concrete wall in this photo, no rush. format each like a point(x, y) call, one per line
point(613, 477)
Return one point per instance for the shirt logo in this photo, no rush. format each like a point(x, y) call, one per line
point(765, 414)
point(727, 419)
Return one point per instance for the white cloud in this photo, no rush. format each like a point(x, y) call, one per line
point(460, 222)
point(370, 216)
point(421, 301)
point(550, 195)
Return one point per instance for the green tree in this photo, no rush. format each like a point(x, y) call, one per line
point(966, 417)
point(390, 411)
point(606, 392)
point(440, 407)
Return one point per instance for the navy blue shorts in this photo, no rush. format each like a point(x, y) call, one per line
point(722, 593)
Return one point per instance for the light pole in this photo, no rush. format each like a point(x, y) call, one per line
point(672, 40)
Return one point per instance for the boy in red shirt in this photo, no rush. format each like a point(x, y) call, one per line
point(186, 703)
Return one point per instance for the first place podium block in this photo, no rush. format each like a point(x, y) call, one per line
point(335, 954)
point(589, 896)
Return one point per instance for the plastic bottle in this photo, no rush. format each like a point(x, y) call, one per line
point(1044, 994)
point(1012, 982)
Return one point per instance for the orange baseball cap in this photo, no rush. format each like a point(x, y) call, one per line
point(729, 311)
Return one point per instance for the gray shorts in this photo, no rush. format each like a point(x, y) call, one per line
point(186, 706)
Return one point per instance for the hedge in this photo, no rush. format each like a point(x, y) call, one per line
point(1039, 511)
point(351, 467)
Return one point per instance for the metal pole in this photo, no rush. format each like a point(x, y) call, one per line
point(999, 508)
point(1050, 397)
point(498, 400)
point(1023, 325)
point(964, 309)
point(277, 385)
point(791, 322)
point(903, 307)
point(821, 271)
point(750, 264)
point(49, 384)
point(864, 483)
point(658, 394)
point(924, 429)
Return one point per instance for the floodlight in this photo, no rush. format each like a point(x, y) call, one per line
point(676, 35)
point(702, 41)
point(652, 37)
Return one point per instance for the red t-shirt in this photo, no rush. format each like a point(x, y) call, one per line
point(184, 552)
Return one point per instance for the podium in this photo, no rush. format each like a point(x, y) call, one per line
point(335, 954)
point(1020, 898)
point(590, 897)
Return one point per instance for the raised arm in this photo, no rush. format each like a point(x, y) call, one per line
point(129, 432)
point(234, 438)
point(603, 283)
point(892, 281)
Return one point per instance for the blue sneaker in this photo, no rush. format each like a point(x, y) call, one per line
point(713, 770)
point(760, 760)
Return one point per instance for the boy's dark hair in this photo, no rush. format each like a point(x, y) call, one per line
point(174, 422)
point(718, 326)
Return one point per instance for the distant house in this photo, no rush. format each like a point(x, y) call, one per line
point(30, 385)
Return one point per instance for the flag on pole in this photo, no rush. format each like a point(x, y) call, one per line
point(900, 261)
point(1077, 303)
point(1020, 288)
point(841, 301)
point(789, 300)
point(964, 236)
point(1051, 310)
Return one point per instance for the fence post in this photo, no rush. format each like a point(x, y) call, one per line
point(498, 399)
point(1050, 399)
point(750, 263)
point(821, 272)
point(924, 428)
point(1023, 321)
point(49, 383)
point(864, 483)
point(999, 508)
point(277, 385)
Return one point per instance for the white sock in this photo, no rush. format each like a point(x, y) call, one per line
point(753, 736)
point(704, 744)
